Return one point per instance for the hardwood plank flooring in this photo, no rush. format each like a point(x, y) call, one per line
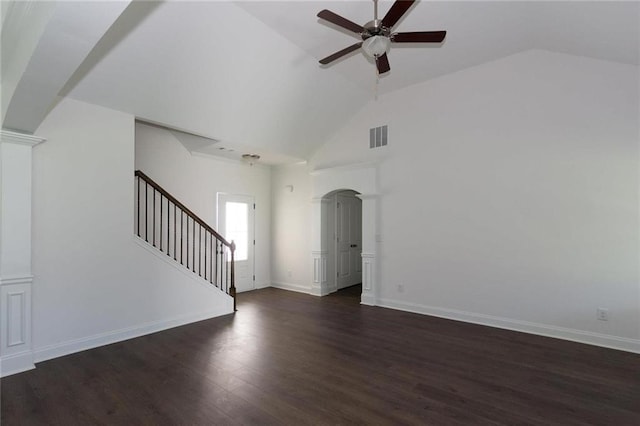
point(291, 359)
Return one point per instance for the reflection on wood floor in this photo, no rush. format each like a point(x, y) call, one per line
point(289, 358)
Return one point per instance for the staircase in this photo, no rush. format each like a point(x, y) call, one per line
point(168, 225)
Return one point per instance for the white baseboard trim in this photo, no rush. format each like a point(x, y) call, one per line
point(292, 287)
point(319, 291)
point(262, 285)
point(16, 363)
point(78, 345)
point(368, 300)
point(580, 336)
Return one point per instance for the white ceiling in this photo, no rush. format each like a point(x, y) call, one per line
point(246, 74)
point(58, 39)
point(211, 69)
point(477, 32)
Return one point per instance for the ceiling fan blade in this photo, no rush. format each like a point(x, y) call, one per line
point(398, 9)
point(340, 54)
point(338, 20)
point(382, 62)
point(419, 37)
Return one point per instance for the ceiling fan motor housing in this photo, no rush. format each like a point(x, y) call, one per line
point(374, 28)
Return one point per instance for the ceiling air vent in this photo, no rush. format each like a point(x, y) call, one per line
point(378, 137)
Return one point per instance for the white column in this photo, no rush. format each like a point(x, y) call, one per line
point(15, 252)
point(369, 249)
point(319, 246)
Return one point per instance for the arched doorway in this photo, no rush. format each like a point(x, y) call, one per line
point(361, 181)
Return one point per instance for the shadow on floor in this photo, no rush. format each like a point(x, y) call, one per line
point(352, 293)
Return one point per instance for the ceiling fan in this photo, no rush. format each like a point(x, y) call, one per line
point(377, 35)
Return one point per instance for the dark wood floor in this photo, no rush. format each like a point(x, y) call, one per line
point(288, 358)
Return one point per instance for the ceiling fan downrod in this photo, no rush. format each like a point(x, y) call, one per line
point(375, 12)
point(374, 27)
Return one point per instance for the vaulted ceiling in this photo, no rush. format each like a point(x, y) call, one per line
point(477, 32)
point(245, 74)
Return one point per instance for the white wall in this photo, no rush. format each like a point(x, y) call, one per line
point(509, 195)
point(195, 180)
point(94, 283)
point(291, 229)
point(15, 203)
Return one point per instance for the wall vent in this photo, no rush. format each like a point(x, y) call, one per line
point(378, 137)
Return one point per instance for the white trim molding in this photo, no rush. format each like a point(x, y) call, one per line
point(15, 251)
point(321, 200)
point(368, 279)
point(78, 345)
point(16, 280)
point(291, 287)
point(319, 266)
point(8, 136)
point(16, 363)
point(319, 285)
point(368, 196)
point(344, 167)
point(15, 322)
point(574, 335)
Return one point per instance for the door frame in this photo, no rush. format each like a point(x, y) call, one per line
point(336, 243)
point(226, 196)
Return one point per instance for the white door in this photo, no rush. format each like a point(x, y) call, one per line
point(348, 240)
point(236, 223)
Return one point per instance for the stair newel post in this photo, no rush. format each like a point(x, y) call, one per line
point(232, 290)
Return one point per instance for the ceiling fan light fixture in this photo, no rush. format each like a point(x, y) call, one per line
point(376, 45)
point(250, 158)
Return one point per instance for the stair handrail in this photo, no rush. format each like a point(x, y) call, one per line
point(193, 216)
point(231, 245)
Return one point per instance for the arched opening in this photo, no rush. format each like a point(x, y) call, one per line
point(361, 182)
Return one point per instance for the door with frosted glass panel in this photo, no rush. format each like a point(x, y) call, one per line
point(236, 222)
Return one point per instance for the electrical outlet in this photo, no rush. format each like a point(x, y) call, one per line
point(289, 274)
point(400, 288)
point(602, 314)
